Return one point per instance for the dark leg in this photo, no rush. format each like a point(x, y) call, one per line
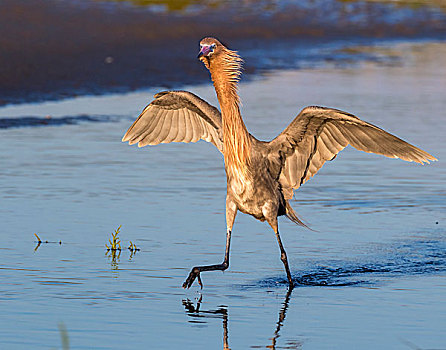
point(231, 211)
point(284, 259)
point(195, 272)
point(272, 220)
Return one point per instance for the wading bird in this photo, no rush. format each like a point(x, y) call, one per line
point(261, 176)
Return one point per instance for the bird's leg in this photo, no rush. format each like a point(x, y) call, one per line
point(195, 272)
point(231, 212)
point(272, 220)
point(284, 259)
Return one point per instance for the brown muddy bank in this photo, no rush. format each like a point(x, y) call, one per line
point(54, 49)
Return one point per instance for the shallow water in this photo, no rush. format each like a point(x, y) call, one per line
point(372, 276)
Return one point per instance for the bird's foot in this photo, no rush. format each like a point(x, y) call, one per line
point(194, 274)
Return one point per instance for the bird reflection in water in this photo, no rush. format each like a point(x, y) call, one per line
point(279, 324)
point(195, 313)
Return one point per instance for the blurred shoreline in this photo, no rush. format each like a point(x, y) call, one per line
point(54, 49)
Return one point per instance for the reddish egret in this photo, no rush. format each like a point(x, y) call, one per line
point(261, 176)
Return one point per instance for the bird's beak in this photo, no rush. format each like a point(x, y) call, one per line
point(204, 51)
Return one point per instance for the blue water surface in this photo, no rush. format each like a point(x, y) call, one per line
point(371, 275)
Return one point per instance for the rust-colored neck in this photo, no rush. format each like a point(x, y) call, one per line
point(225, 72)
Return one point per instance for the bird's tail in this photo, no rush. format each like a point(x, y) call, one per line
point(291, 214)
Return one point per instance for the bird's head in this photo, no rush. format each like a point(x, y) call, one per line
point(209, 49)
point(227, 62)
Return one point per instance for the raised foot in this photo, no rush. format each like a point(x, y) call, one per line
point(194, 274)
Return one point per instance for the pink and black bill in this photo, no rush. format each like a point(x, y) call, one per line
point(205, 50)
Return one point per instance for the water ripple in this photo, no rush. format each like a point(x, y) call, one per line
point(405, 259)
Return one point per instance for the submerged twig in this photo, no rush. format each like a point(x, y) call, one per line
point(39, 242)
point(38, 238)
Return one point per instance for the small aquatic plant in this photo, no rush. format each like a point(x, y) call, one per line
point(115, 243)
point(133, 248)
point(114, 249)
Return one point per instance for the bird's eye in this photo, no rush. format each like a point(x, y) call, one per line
point(213, 46)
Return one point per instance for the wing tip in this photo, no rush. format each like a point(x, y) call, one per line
point(420, 159)
point(431, 158)
point(423, 157)
point(428, 160)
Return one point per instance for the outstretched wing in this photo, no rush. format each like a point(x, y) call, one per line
point(176, 116)
point(318, 134)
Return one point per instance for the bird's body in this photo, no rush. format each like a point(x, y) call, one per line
point(261, 176)
point(255, 192)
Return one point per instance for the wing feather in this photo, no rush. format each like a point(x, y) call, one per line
point(149, 137)
point(143, 135)
point(165, 129)
point(176, 116)
point(318, 134)
point(141, 127)
point(189, 127)
point(198, 132)
point(204, 133)
point(338, 137)
point(173, 132)
point(354, 139)
point(181, 127)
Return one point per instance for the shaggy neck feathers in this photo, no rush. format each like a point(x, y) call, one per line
point(225, 72)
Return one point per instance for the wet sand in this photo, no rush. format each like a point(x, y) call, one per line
point(55, 49)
